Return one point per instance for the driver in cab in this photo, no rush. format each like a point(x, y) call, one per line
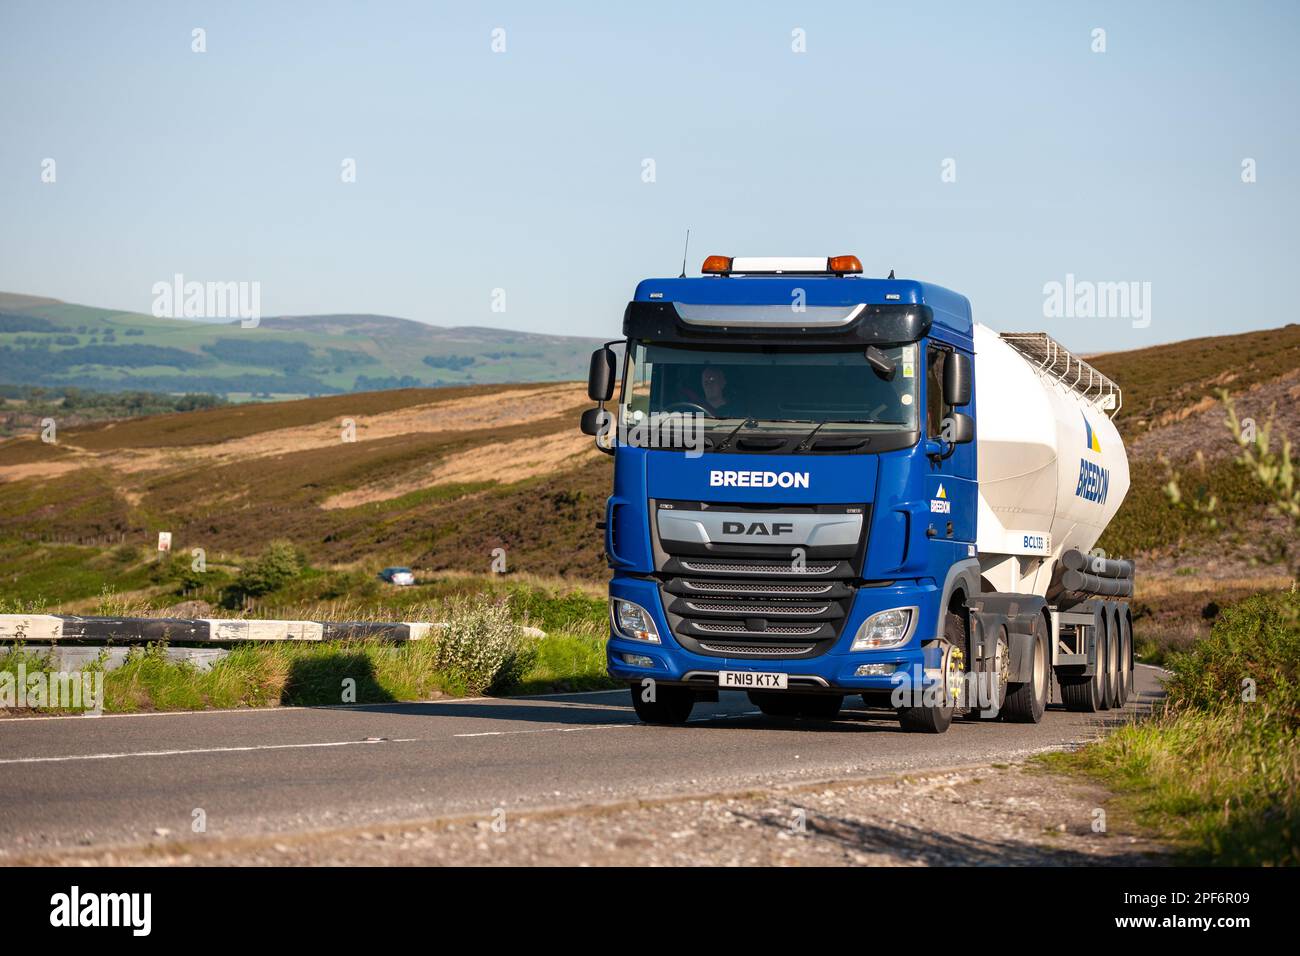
point(712, 394)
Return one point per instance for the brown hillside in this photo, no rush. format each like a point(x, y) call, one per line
point(440, 477)
point(444, 475)
point(1165, 383)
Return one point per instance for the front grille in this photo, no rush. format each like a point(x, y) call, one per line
point(770, 650)
point(753, 601)
point(725, 627)
point(765, 588)
point(727, 607)
point(786, 569)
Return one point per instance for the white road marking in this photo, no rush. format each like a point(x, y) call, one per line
point(279, 710)
point(544, 730)
point(203, 750)
point(153, 713)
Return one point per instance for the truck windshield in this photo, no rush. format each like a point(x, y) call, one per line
point(771, 388)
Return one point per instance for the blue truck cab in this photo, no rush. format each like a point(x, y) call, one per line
point(795, 494)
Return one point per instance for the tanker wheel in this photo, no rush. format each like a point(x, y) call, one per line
point(1112, 662)
point(1125, 656)
point(1088, 694)
point(1026, 702)
point(936, 719)
point(811, 706)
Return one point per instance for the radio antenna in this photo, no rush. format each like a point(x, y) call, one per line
point(686, 250)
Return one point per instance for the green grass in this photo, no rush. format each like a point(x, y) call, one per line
point(287, 674)
point(570, 657)
point(34, 574)
point(1217, 771)
point(568, 662)
point(300, 674)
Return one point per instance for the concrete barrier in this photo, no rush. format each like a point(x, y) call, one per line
point(51, 628)
point(69, 657)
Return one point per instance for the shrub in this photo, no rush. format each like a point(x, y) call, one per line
point(279, 564)
point(1213, 770)
point(1255, 640)
point(481, 648)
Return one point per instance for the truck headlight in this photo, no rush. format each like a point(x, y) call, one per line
point(885, 629)
point(632, 620)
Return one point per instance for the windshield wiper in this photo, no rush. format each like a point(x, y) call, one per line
point(726, 442)
point(803, 445)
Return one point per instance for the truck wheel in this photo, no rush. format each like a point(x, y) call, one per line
point(1026, 702)
point(1088, 694)
point(937, 719)
point(993, 683)
point(672, 705)
point(1125, 656)
point(812, 706)
point(1112, 662)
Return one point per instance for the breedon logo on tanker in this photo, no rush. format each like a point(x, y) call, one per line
point(1094, 480)
point(758, 479)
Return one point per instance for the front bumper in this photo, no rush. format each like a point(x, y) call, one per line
point(834, 671)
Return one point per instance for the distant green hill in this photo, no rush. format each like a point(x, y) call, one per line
point(50, 343)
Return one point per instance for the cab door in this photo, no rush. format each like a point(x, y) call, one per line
point(951, 483)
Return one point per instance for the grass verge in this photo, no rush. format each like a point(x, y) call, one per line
point(482, 650)
point(1217, 770)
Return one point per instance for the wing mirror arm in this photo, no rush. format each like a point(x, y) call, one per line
point(957, 429)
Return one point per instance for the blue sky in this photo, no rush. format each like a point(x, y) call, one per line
point(522, 170)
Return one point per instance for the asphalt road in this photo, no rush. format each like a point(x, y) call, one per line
point(124, 780)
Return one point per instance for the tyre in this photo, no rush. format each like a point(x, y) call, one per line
point(1125, 656)
point(1112, 661)
point(1026, 702)
point(925, 720)
point(811, 706)
point(935, 719)
point(993, 684)
point(671, 705)
point(1088, 694)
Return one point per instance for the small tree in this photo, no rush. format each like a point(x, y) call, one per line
point(280, 563)
point(1273, 469)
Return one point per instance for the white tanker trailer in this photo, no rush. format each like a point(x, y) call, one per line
point(1052, 474)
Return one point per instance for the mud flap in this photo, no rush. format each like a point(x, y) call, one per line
point(1022, 657)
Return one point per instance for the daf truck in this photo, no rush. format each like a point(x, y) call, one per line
point(829, 485)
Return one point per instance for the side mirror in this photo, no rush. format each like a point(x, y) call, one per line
point(600, 377)
point(597, 422)
point(957, 429)
point(957, 379)
point(960, 429)
point(591, 421)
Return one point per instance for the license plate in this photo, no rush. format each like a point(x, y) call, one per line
point(752, 680)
